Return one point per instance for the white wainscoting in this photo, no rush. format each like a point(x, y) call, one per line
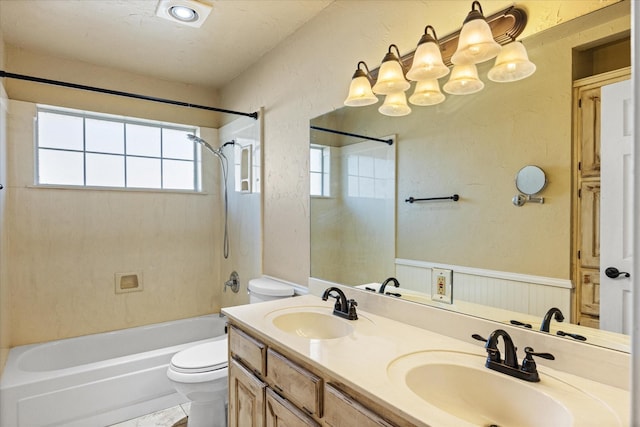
point(509, 291)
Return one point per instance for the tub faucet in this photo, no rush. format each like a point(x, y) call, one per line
point(546, 322)
point(386, 282)
point(343, 307)
point(527, 371)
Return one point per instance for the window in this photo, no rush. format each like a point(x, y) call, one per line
point(319, 170)
point(91, 150)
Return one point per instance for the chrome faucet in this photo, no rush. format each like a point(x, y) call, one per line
point(343, 307)
point(546, 322)
point(527, 371)
point(386, 282)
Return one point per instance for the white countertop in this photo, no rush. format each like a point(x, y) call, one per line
point(362, 359)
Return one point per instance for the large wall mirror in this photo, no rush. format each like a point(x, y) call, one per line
point(508, 262)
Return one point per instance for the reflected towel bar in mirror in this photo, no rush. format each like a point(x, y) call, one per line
point(455, 198)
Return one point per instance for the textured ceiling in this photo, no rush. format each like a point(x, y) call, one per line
point(127, 34)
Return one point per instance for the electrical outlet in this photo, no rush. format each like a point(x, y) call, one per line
point(441, 285)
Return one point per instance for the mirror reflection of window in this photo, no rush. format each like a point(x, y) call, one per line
point(319, 170)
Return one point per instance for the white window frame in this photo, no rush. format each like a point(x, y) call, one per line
point(325, 169)
point(196, 161)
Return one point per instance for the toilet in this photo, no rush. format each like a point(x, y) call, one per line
point(200, 373)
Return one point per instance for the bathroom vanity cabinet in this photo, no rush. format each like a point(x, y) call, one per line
point(268, 386)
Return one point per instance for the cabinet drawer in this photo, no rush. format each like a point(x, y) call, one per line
point(297, 384)
point(251, 352)
point(343, 411)
point(280, 412)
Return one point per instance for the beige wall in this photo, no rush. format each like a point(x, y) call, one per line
point(309, 74)
point(65, 245)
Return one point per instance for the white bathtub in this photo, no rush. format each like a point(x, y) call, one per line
point(100, 379)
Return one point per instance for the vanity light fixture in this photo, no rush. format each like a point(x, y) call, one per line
point(476, 43)
point(360, 92)
point(479, 40)
point(188, 12)
point(427, 92)
point(512, 64)
point(427, 60)
point(391, 76)
point(395, 105)
point(464, 80)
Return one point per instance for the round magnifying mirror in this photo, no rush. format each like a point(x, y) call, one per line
point(530, 180)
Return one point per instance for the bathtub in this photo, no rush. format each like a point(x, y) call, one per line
point(101, 379)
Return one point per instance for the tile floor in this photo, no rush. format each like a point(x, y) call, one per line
point(166, 418)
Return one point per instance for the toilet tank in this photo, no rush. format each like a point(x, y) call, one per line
point(265, 289)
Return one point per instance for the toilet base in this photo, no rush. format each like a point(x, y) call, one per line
point(208, 414)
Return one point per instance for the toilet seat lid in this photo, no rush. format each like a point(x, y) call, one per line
point(205, 357)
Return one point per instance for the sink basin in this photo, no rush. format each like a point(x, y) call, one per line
point(313, 325)
point(459, 384)
point(484, 396)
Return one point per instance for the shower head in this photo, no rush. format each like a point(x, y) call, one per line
point(201, 141)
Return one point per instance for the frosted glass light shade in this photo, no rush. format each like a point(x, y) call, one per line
point(360, 93)
point(476, 43)
point(427, 92)
point(427, 63)
point(390, 78)
point(512, 64)
point(395, 104)
point(463, 81)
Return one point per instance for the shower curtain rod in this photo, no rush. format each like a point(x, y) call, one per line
point(339, 132)
point(119, 93)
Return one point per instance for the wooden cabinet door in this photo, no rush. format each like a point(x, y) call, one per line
point(590, 295)
point(589, 244)
point(342, 411)
point(246, 397)
point(589, 129)
point(281, 413)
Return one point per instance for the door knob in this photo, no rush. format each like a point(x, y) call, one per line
point(614, 273)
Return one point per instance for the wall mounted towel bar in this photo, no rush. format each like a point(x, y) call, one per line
point(455, 198)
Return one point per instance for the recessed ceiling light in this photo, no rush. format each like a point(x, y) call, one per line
point(187, 12)
point(182, 13)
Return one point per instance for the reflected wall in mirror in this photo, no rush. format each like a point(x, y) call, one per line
point(509, 263)
point(352, 208)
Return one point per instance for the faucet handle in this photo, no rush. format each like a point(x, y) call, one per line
point(493, 353)
point(478, 337)
point(353, 315)
point(530, 352)
point(529, 365)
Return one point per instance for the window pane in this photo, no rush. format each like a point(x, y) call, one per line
point(315, 164)
point(316, 184)
point(104, 136)
point(143, 140)
point(177, 174)
point(143, 173)
point(176, 145)
point(59, 131)
point(60, 167)
point(105, 170)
